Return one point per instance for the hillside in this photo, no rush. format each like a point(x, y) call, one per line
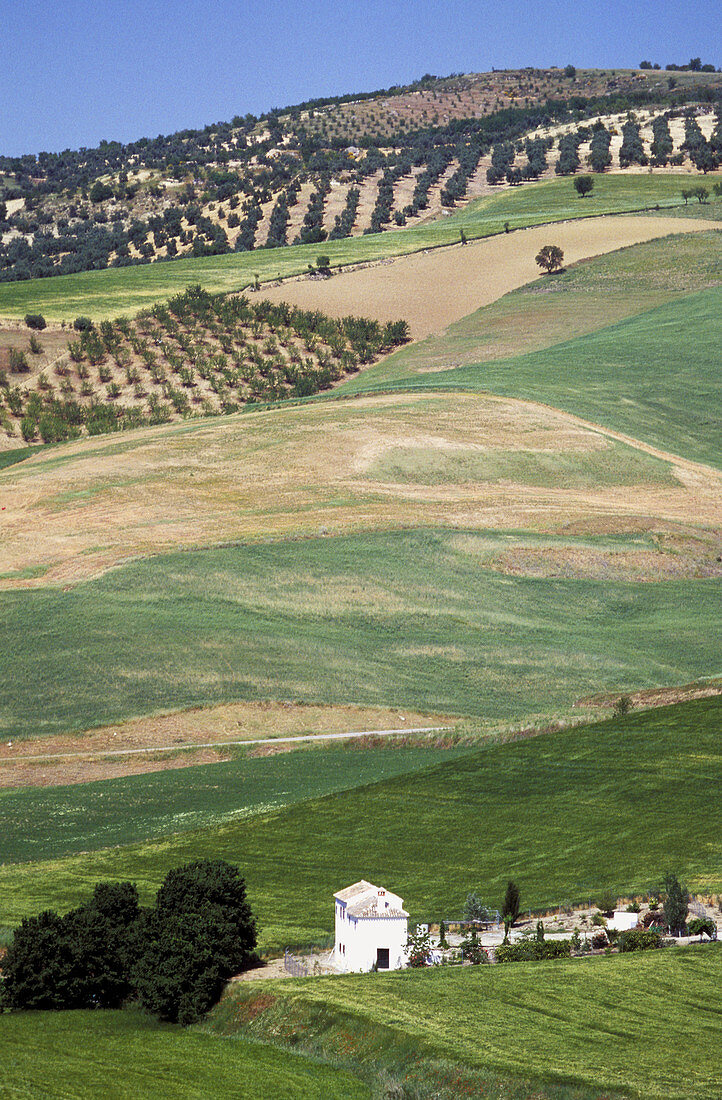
point(607, 806)
point(200, 352)
point(347, 166)
point(584, 1029)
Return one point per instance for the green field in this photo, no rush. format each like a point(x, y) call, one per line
point(414, 619)
point(648, 1025)
point(606, 806)
point(44, 823)
point(122, 290)
point(582, 299)
point(654, 376)
point(76, 1055)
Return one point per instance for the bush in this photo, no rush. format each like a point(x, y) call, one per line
point(599, 940)
point(639, 939)
point(701, 926)
point(35, 346)
point(83, 324)
point(35, 320)
point(533, 950)
point(607, 903)
point(18, 361)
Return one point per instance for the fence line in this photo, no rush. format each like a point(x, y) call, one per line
point(294, 966)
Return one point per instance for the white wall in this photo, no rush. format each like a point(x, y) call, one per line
point(358, 939)
point(622, 921)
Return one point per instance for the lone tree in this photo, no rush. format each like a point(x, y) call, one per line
point(583, 185)
point(510, 908)
point(550, 257)
point(675, 904)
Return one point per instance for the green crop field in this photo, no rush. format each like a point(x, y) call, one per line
point(43, 823)
point(620, 1023)
point(584, 298)
point(417, 619)
point(121, 1054)
point(611, 805)
point(122, 290)
point(654, 376)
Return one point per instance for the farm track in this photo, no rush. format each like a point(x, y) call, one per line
point(353, 735)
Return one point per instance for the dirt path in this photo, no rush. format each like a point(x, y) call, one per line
point(435, 288)
point(354, 734)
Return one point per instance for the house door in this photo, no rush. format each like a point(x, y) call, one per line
point(382, 958)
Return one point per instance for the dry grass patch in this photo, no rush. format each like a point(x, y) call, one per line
point(78, 510)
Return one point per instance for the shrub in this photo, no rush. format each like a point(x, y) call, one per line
point(607, 903)
point(474, 908)
point(599, 940)
point(701, 925)
point(639, 939)
point(34, 344)
point(35, 320)
point(533, 950)
point(598, 920)
point(418, 949)
point(18, 361)
point(473, 951)
point(82, 324)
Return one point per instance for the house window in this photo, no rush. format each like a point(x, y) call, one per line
point(382, 958)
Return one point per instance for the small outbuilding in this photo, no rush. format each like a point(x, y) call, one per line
point(371, 928)
point(622, 921)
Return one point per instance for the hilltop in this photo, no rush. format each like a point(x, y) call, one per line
point(346, 166)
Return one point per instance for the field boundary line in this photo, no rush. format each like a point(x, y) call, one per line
point(220, 744)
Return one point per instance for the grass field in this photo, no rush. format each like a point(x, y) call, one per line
point(654, 376)
point(423, 620)
point(567, 815)
point(122, 290)
point(621, 1023)
point(75, 1055)
point(584, 298)
point(74, 511)
point(47, 823)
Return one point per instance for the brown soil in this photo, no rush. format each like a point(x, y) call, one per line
point(655, 697)
point(432, 289)
point(171, 734)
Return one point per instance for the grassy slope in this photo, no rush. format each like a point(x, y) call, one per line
point(568, 814)
point(51, 822)
point(121, 1054)
point(608, 1023)
point(121, 290)
point(584, 298)
point(654, 376)
point(408, 618)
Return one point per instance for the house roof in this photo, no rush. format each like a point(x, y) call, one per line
point(364, 899)
point(362, 909)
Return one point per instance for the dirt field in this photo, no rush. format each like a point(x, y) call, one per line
point(189, 730)
point(432, 289)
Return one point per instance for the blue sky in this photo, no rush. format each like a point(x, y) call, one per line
point(74, 72)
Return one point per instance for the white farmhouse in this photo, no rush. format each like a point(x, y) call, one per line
point(371, 928)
